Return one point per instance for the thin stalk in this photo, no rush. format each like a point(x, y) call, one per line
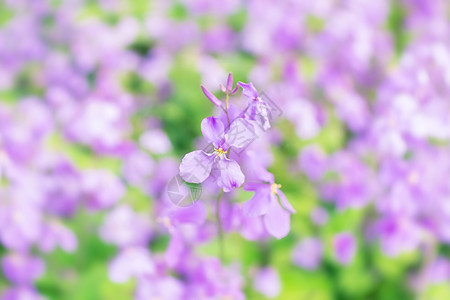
point(219, 228)
point(226, 109)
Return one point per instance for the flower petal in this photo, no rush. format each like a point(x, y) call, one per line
point(285, 203)
point(213, 129)
point(240, 134)
point(277, 220)
point(259, 111)
point(259, 204)
point(230, 174)
point(211, 96)
point(230, 82)
point(196, 166)
point(248, 90)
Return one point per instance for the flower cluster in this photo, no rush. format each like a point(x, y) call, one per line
point(99, 101)
point(222, 164)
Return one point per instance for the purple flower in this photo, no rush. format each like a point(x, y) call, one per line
point(219, 39)
point(211, 280)
point(62, 184)
point(229, 90)
point(131, 262)
point(20, 293)
point(161, 287)
point(55, 234)
point(312, 161)
point(269, 201)
point(156, 141)
point(356, 183)
point(267, 282)
point(124, 227)
point(344, 246)
point(319, 216)
point(175, 219)
point(137, 168)
point(257, 110)
point(233, 218)
point(398, 234)
point(22, 268)
point(308, 253)
point(101, 189)
point(438, 271)
point(198, 165)
point(23, 226)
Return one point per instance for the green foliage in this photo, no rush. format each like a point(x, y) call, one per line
point(396, 24)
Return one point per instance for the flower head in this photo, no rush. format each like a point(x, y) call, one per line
point(257, 110)
point(198, 165)
point(228, 90)
point(271, 203)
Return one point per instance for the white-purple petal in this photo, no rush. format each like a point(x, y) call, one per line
point(240, 134)
point(259, 204)
point(213, 130)
point(248, 90)
point(196, 166)
point(285, 203)
point(230, 175)
point(277, 220)
point(259, 111)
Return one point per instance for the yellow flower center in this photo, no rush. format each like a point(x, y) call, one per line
point(275, 187)
point(165, 221)
point(220, 152)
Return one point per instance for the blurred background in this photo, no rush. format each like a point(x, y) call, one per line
point(100, 101)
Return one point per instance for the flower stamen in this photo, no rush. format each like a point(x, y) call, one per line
point(220, 152)
point(275, 187)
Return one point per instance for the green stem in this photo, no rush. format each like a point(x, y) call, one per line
point(226, 109)
point(219, 228)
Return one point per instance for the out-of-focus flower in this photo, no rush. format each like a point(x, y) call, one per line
point(21, 292)
point(344, 247)
point(101, 189)
point(124, 227)
point(160, 287)
point(155, 141)
point(21, 268)
point(131, 262)
point(312, 161)
point(308, 253)
point(267, 282)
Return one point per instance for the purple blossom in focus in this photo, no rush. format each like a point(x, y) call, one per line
point(197, 166)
